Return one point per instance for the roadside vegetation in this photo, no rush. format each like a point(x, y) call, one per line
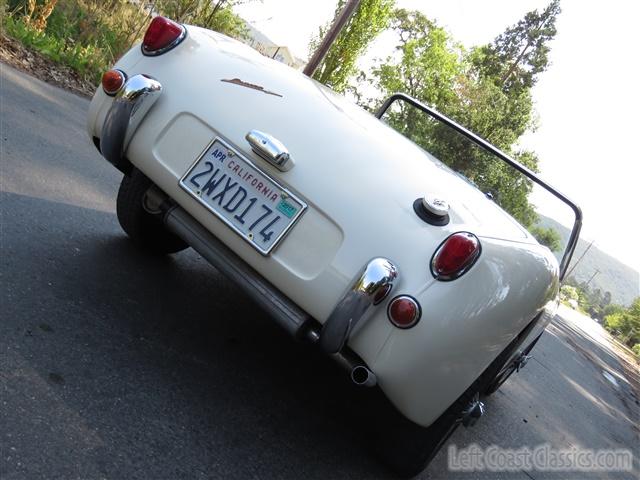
point(622, 322)
point(486, 88)
point(90, 35)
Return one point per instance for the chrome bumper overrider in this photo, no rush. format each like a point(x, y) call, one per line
point(372, 285)
point(129, 107)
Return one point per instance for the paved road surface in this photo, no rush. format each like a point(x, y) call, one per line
point(115, 364)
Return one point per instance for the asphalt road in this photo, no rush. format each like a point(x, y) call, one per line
point(116, 364)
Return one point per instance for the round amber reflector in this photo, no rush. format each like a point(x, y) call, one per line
point(404, 311)
point(112, 81)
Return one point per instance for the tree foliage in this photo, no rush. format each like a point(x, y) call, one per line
point(625, 324)
point(486, 89)
point(214, 15)
point(620, 321)
point(516, 57)
point(547, 236)
point(339, 65)
point(567, 292)
point(593, 301)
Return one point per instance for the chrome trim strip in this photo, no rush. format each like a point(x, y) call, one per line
point(376, 278)
point(270, 149)
point(129, 107)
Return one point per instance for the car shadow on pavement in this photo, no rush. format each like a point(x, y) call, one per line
point(161, 359)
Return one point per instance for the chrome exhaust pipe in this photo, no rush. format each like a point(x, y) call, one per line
point(291, 317)
point(363, 377)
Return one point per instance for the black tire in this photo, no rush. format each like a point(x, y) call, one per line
point(143, 228)
point(407, 448)
point(506, 371)
point(497, 382)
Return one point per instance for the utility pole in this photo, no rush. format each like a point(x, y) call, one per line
point(592, 277)
point(330, 37)
point(578, 261)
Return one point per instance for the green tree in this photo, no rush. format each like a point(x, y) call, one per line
point(339, 65)
point(429, 64)
point(487, 89)
point(516, 57)
point(547, 236)
point(611, 309)
point(215, 15)
point(625, 323)
point(567, 292)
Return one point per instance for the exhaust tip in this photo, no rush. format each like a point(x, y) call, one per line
point(363, 377)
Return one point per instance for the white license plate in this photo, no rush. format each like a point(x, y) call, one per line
point(246, 199)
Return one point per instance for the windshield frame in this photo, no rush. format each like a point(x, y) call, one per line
point(482, 143)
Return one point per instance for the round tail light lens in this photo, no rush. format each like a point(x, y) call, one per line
point(404, 311)
point(455, 256)
point(161, 36)
point(112, 81)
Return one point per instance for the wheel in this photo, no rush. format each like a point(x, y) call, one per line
point(507, 371)
point(407, 448)
point(502, 377)
point(143, 228)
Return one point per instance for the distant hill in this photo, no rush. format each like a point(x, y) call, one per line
point(621, 280)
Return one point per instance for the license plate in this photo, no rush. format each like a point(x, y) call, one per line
point(247, 200)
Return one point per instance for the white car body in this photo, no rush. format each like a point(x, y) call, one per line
point(359, 179)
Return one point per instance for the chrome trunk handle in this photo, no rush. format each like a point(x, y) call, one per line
point(270, 149)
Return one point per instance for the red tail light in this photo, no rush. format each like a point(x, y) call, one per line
point(404, 311)
point(455, 256)
point(112, 81)
point(161, 36)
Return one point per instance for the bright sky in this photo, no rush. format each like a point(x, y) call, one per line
point(588, 101)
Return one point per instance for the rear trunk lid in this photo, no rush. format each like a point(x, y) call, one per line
point(346, 160)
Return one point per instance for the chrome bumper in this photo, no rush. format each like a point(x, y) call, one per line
point(129, 107)
point(370, 287)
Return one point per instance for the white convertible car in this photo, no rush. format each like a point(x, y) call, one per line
point(351, 236)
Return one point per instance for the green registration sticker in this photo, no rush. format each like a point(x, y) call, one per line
point(286, 208)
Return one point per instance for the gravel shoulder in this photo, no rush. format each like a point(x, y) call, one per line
point(14, 53)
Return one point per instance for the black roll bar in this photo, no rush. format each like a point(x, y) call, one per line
point(577, 224)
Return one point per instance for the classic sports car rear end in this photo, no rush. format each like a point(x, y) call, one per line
point(351, 236)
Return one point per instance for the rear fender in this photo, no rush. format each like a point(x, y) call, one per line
point(465, 325)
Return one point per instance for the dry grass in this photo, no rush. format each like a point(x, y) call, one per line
point(85, 35)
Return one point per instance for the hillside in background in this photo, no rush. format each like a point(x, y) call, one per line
point(614, 276)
